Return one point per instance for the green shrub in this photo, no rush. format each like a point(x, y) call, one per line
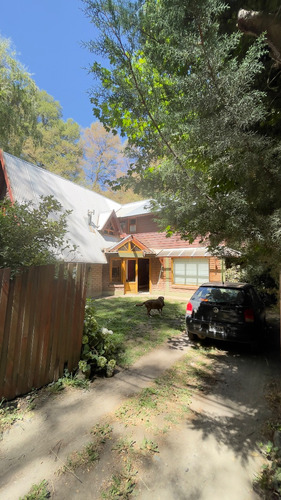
point(100, 346)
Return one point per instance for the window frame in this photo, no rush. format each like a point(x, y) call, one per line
point(132, 223)
point(186, 282)
point(112, 278)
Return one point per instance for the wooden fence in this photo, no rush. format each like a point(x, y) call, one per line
point(41, 325)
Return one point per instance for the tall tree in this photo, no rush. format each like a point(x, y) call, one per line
point(103, 157)
point(187, 94)
point(57, 147)
point(104, 161)
point(31, 124)
point(18, 103)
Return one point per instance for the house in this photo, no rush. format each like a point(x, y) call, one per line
point(122, 244)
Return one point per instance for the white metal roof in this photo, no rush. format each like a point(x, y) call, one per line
point(29, 182)
point(135, 208)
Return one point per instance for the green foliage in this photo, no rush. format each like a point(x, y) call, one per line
point(57, 147)
point(268, 481)
point(202, 125)
point(124, 445)
point(32, 235)
point(8, 415)
point(87, 456)
point(122, 484)
point(91, 452)
point(102, 432)
point(68, 380)
point(38, 492)
point(31, 124)
point(100, 346)
point(257, 273)
point(149, 445)
point(18, 102)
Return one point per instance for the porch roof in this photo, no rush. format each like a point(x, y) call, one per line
point(183, 252)
point(117, 248)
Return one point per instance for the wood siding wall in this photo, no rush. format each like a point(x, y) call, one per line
point(41, 325)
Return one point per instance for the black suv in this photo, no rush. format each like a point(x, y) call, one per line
point(226, 311)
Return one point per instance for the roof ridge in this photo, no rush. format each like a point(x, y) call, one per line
point(63, 178)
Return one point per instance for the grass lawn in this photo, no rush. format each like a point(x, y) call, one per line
point(139, 333)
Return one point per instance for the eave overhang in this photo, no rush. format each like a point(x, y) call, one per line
point(130, 247)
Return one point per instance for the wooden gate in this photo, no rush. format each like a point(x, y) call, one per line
point(41, 325)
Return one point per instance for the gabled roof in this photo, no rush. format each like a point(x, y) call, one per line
point(135, 208)
point(103, 218)
point(28, 182)
point(134, 242)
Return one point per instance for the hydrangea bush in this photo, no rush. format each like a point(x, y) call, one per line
point(100, 346)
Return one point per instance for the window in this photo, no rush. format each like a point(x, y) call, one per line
point(190, 271)
point(116, 271)
point(123, 225)
point(132, 226)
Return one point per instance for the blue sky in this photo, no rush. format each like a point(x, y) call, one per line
point(46, 35)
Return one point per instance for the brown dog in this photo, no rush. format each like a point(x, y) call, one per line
point(153, 304)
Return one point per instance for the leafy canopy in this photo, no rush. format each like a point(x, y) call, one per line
point(104, 161)
point(57, 147)
point(18, 103)
point(31, 124)
point(193, 102)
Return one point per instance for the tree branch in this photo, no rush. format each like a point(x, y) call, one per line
point(255, 23)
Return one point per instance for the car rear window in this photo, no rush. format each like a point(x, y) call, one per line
point(220, 295)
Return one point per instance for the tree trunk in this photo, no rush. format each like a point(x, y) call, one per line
point(255, 23)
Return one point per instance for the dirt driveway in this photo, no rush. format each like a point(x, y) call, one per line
point(210, 453)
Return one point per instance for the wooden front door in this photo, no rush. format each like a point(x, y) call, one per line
point(131, 276)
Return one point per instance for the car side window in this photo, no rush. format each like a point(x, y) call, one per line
point(203, 293)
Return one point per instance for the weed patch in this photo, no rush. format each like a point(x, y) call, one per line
point(149, 445)
point(38, 492)
point(268, 481)
point(91, 452)
point(13, 411)
point(122, 485)
point(68, 380)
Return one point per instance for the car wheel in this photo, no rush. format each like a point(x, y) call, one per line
point(191, 336)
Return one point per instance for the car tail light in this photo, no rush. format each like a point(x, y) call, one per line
point(189, 308)
point(249, 315)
